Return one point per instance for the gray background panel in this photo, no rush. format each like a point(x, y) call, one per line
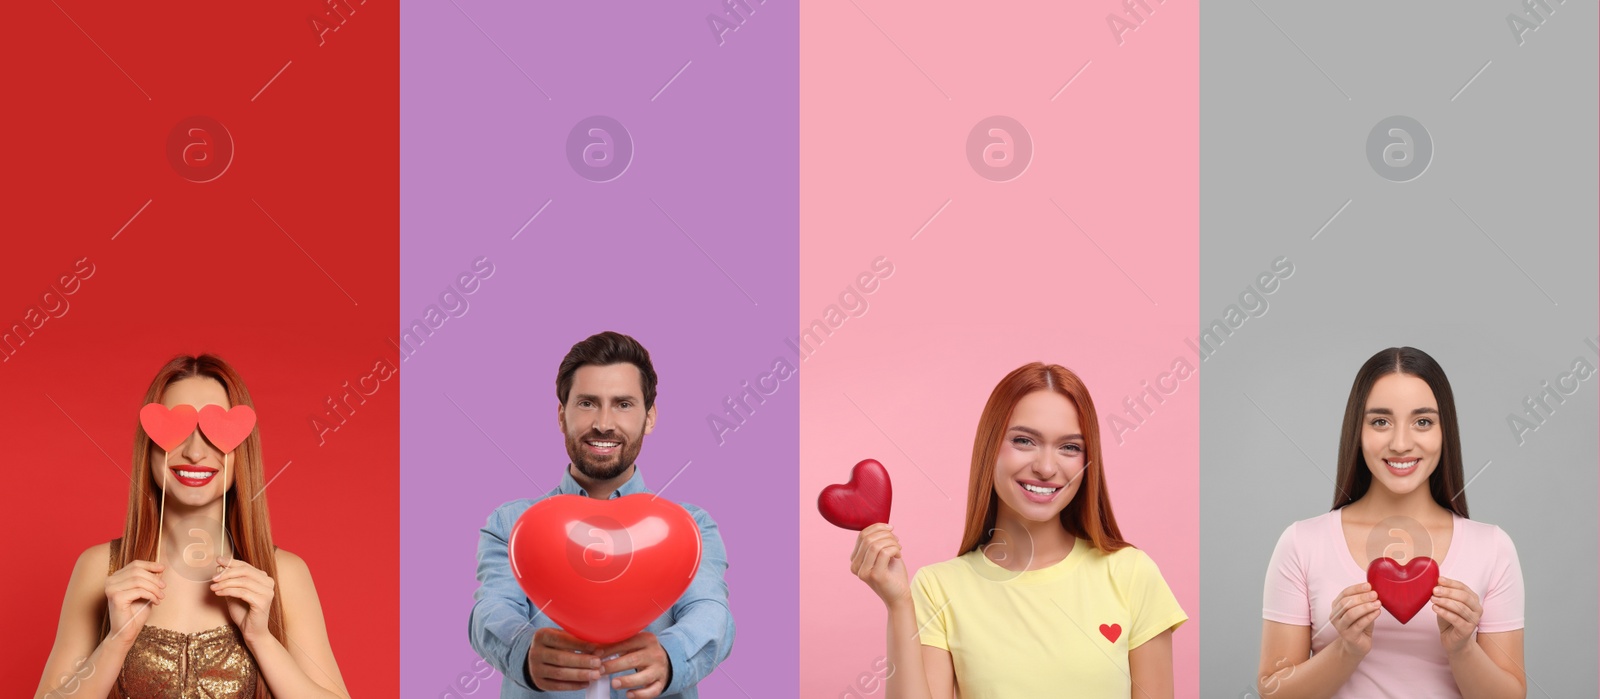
point(1487, 260)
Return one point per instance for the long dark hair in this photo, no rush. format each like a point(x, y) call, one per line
point(1445, 483)
point(1088, 516)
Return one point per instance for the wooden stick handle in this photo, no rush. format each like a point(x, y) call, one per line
point(161, 520)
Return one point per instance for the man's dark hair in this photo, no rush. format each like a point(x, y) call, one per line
point(603, 349)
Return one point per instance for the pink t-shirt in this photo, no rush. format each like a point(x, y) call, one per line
point(1312, 565)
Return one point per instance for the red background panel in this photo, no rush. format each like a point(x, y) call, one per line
point(286, 265)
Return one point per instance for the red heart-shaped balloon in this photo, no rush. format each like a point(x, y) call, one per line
point(167, 427)
point(227, 427)
point(604, 569)
point(861, 501)
point(1403, 589)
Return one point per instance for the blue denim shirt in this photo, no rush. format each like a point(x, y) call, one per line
point(696, 633)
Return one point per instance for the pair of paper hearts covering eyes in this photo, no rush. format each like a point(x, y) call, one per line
point(169, 427)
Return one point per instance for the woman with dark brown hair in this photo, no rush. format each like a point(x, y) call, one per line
point(181, 605)
point(1399, 500)
point(1044, 597)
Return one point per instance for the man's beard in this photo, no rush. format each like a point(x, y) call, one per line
point(603, 468)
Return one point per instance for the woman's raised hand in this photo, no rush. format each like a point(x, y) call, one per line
point(129, 594)
point(249, 591)
point(878, 563)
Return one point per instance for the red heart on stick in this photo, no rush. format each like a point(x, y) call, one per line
point(604, 569)
point(167, 427)
point(227, 427)
point(860, 502)
point(1403, 589)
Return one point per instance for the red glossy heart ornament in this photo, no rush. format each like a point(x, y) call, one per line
point(1403, 590)
point(227, 428)
point(604, 569)
point(860, 502)
point(167, 427)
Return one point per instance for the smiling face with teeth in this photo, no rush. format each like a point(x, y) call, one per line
point(604, 420)
point(194, 468)
point(1041, 461)
point(1400, 433)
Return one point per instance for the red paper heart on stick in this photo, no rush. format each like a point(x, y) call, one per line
point(861, 501)
point(167, 427)
point(227, 427)
point(1403, 589)
point(604, 569)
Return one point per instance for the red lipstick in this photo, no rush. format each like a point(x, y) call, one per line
point(177, 472)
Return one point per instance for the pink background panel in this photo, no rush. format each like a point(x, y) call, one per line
point(1088, 259)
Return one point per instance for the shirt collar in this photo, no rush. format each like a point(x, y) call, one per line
point(634, 484)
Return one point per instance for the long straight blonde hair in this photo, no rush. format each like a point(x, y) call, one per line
point(249, 529)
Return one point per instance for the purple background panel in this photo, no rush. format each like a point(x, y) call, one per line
point(515, 249)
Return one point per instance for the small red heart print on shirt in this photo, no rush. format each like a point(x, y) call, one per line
point(1112, 632)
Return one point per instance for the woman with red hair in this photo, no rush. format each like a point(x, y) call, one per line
point(1044, 597)
point(193, 600)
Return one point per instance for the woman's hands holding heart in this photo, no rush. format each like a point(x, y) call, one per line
point(1459, 611)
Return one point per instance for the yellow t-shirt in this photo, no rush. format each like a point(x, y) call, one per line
point(1063, 630)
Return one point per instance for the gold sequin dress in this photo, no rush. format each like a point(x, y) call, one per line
point(164, 664)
